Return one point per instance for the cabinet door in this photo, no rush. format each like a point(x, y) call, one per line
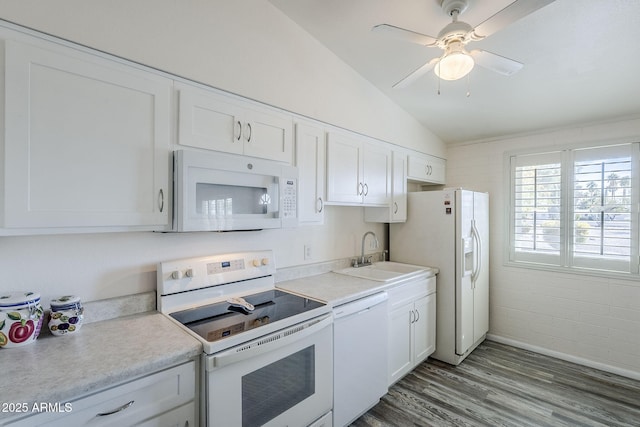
point(376, 174)
point(208, 120)
point(214, 121)
point(268, 135)
point(424, 328)
point(311, 162)
point(344, 169)
point(426, 169)
point(396, 211)
point(400, 345)
point(399, 187)
point(87, 141)
point(184, 416)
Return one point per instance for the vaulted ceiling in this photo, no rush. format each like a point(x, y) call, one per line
point(581, 62)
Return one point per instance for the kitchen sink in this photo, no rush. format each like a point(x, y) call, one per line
point(383, 271)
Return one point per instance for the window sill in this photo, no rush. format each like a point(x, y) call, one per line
point(605, 274)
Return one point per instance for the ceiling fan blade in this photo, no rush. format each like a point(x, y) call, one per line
point(516, 10)
point(415, 75)
point(496, 63)
point(406, 35)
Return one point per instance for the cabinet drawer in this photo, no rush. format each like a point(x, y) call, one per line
point(401, 294)
point(127, 404)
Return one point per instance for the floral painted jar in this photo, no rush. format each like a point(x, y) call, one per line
point(66, 315)
point(21, 317)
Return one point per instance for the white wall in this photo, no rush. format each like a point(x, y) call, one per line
point(247, 47)
point(591, 319)
point(98, 266)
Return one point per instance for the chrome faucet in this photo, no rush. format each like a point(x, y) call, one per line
point(363, 260)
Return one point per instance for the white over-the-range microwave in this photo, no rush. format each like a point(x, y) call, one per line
point(224, 192)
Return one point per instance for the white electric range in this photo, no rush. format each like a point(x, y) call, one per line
point(268, 354)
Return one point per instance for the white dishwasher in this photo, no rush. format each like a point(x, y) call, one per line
point(359, 357)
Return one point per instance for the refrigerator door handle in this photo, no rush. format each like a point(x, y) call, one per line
point(477, 264)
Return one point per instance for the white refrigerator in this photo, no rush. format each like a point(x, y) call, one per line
point(449, 229)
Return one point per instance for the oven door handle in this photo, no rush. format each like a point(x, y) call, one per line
point(266, 344)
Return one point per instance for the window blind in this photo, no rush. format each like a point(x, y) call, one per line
point(577, 208)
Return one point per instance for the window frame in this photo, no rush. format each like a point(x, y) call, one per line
point(565, 261)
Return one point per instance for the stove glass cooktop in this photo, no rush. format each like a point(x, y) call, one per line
point(217, 321)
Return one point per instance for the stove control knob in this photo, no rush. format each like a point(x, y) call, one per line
point(189, 272)
point(265, 261)
point(256, 263)
point(176, 275)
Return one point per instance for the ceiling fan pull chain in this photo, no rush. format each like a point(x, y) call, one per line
point(439, 79)
point(468, 85)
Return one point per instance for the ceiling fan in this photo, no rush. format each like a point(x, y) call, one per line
point(456, 62)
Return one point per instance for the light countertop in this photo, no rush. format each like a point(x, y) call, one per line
point(99, 355)
point(109, 352)
point(336, 289)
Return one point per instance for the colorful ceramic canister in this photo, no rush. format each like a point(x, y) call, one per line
point(21, 318)
point(66, 315)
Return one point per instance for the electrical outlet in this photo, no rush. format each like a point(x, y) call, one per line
point(307, 252)
point(372, 244)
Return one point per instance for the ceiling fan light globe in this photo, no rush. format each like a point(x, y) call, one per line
point(454, 66)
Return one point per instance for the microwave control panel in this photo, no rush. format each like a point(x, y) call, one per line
point(289, 193)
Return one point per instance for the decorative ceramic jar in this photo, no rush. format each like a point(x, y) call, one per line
point(21, 318)
point(66, 315)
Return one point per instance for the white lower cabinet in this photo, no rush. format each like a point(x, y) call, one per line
point(412, 326)
point(165, 398)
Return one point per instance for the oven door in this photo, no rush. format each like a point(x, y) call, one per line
point(285, 378)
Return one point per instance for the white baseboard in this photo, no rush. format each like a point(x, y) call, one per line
point(568, 357)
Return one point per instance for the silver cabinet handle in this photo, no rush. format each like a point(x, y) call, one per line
point(161, 200)
point(250, 132)
point(411, 316)
point(360, 189)
point(417, 315)
point(239, 133)
point(321, 204)
point(395, 205)
point(115, 411)
point(366, 189)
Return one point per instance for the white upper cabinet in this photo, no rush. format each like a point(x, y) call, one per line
point(311, 163)
point(358, 170)
point(426, 169)
point(212, 120)
point(86, 141)
point(397, 210)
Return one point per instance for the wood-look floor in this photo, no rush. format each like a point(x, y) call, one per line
point(499, 385)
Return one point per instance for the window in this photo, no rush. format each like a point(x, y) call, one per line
point(576, 208)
